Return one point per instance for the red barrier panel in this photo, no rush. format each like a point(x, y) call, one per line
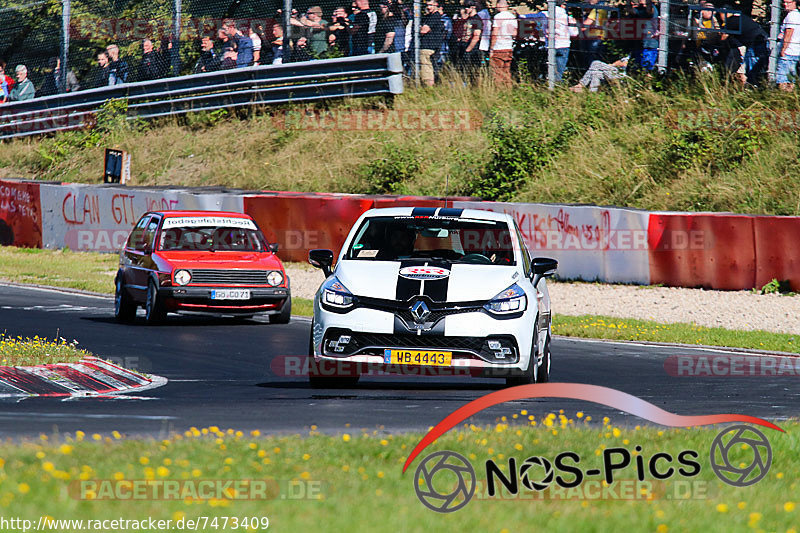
point(703, 250)
point(20, 214)
point(409, 201)
point(300, 223)
point(777, 250)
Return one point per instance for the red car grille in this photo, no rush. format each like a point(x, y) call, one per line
point(241, 277)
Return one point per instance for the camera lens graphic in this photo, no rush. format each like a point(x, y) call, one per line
point(445, 481)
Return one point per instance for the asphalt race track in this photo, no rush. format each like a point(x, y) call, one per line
point(219, 374)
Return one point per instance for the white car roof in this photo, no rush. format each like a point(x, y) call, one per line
point(475, 214)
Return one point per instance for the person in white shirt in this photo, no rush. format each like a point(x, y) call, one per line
point(790, 47)
point(566, 28)
point(486, 32)
point(504, 31)
point(256, 46)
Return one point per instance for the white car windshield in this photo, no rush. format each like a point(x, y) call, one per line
point(211, 239)
point(480, 242)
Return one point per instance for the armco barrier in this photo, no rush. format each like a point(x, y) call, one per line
point(777, 246)
point(20, 214)
point(714, 251)
point(302, 222)
point(590, 242)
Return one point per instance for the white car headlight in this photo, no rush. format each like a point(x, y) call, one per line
point(335, 294)
point(182, 277)
point(511, 300)
point(274, 278)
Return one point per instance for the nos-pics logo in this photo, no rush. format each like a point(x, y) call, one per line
point(445, 481)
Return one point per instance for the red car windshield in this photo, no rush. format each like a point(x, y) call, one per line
point(211, 239)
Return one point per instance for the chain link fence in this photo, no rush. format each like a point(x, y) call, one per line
point(69, 45)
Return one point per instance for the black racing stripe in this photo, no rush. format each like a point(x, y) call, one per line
point(436, 289)
point(406, 288)
point(449, 212)
point(423, 211)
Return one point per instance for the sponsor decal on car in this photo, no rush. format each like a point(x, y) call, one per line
point(233, 222)
point(424, 272)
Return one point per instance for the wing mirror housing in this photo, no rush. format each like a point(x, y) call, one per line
point(322, 259)
point(543, 267)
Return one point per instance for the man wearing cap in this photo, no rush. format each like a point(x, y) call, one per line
point(504, 31)
point(24, 89)
point(473, 27)
point(316, 30)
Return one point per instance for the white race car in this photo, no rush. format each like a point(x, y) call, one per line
point(441, 288)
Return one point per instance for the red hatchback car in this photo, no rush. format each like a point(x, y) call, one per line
point(207, 261)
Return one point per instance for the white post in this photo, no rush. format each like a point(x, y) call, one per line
point(417, 16)
point(551, 44)
point(774, 26)
point(663, 37)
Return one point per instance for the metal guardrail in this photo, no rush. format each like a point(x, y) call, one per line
point(369, 75)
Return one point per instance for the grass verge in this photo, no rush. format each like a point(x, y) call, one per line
point(344, 482)
point(59, 268)
point(19, 351)
point(606, 327)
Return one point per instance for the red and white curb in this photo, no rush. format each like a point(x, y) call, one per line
point(89, 377)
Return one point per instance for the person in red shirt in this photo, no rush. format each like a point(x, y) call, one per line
point(6, 81)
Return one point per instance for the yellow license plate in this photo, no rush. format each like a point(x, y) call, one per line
point(417, 357)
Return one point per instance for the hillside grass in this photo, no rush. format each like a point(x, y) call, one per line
point(625, 146)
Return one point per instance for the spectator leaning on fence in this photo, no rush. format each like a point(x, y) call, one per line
point(339, 29)
point(52, 80)
point(242, 43)
point(789, 48)
point(430, 41)
point(118, 68)
point(24, 89)
point(746, 34)
point(504, 31)
point(103, 71)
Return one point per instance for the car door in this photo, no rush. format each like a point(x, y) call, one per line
point(132, 258)
point(147, 264)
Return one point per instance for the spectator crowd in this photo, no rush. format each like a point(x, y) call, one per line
point(590, 40)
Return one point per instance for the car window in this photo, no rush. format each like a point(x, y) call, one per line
point(136, 239)
point(458, 240)
point(150, 232)
point(212, 238)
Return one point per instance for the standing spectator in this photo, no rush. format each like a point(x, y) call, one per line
point(444, 52)
point(24, 89)
point(360, 30)
point(430, 41)
point(255, 38)
point(6, 80)
point(473, 28)
point(486, 30)
point(117, 68)
point(647, 55)
point(384, 31)
point(209, 61)
point(592, 33)
point(789, 50)
point(316, 30)
point(52, 80)
point(277, 44)
point(457, 39)
point(103, 72)
point(566, 27)
point(242, 43)
point(153, 66)
point(339, 29)
point(225, 42)
point(504, 31)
